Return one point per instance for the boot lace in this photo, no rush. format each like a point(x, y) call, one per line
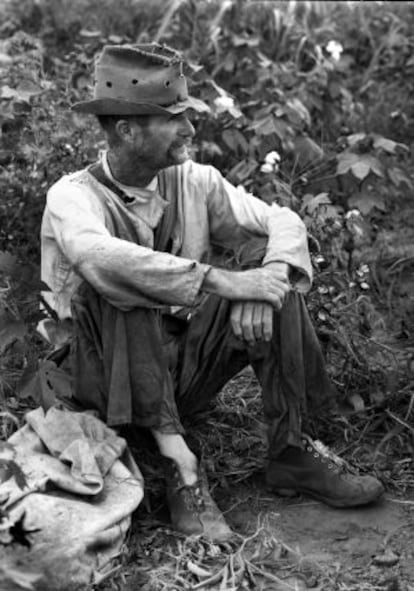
point(193, 497)
point(318, 448)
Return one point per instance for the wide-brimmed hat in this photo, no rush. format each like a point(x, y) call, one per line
point(145, 79)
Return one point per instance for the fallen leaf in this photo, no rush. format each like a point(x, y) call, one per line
point(388, 558)
point(357, 402)
point(197, 570)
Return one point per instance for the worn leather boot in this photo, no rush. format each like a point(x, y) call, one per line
point(193, 511)
point(317, 472)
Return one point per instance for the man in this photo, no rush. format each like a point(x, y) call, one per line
point(157, 330)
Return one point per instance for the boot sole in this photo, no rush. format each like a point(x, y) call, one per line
point(338, 504)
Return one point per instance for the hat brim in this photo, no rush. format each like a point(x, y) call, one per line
point(121, 107)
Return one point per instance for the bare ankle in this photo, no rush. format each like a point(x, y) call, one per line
point(174, 447)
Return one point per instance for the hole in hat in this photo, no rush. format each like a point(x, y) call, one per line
point(167, 83)
point(135, 81)
point(109, 84)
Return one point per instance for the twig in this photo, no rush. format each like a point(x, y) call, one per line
point(399, 420)
point(267, 575)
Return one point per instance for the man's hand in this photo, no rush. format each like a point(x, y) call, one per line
point(268, 284)
point(252, 321)
point(256, 294)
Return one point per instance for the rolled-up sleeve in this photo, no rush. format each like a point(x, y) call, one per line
point(125, 273)
point(233, 212)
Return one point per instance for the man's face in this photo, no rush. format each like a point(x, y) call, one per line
point(165, 140)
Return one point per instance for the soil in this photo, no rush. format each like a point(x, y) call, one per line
point(306, 545)
point(362, 548)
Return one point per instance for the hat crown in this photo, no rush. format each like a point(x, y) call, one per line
point(147, 73)
point(142, 79)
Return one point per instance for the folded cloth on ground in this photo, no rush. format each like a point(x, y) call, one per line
point(81, 441)
point(65, 482)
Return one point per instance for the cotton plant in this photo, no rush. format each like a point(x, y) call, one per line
point(226, 104)
point(335, 49)
point(271, 162)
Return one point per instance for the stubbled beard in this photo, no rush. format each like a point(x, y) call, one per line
point(179, 153)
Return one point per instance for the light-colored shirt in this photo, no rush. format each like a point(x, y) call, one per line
point(77, 245)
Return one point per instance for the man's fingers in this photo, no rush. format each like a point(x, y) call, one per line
point(267, 319)
point(277, 291)
point(252, 321)
point(278, 296)
point(235, 319)
point(247, 323)
point(257, 319)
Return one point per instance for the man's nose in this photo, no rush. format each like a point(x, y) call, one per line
point(186, 127)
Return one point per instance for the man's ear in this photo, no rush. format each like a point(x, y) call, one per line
point(126, 131)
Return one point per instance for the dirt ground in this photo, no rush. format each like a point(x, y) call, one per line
point(358, 549)
point(297, 544)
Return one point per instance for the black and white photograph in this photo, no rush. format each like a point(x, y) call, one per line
point(206, 295)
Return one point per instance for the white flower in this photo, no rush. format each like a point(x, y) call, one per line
point(223, 103)
point(272, 157)
point(353, 213)
point(335, 49)
point(266, 167)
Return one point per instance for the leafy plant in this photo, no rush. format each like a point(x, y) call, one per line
point(295, 118)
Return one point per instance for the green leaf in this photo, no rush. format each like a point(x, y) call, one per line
point(360, 165)
point(297, 113)
point(366, 202)
point(243, 170)
point(385, 144)
point(375, 165)
point(10, 331)
point(361, 169)
point(306, 152)
point(7, 263)
point(54, 383)
point(398, 177)
point(235, 140)
point(312, 202)
point(24, 91)
point(345, 161)
point(28, 384)
point(355, 138)
point(264, 126)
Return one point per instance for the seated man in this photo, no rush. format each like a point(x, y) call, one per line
point(157, 330)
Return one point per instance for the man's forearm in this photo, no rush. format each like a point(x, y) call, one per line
point(263, 284)
point(221, 282)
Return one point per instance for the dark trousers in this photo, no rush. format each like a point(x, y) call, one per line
point(290, 368)
point(180, 371)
